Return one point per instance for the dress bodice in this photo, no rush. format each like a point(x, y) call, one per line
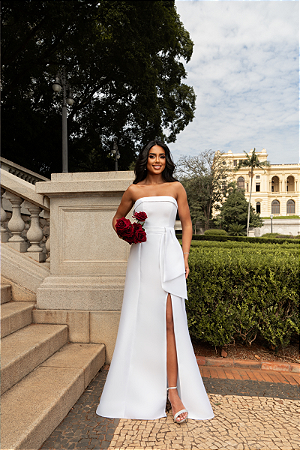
point(161, 215)
point(161, 210)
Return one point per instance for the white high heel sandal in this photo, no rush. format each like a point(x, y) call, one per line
point(179, 412)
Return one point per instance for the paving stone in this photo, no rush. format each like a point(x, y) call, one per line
point(249, 415)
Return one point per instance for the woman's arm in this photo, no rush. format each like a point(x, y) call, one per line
point(124, 207)
point(186, 223)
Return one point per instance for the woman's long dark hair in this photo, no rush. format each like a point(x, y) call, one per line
point(141, 164)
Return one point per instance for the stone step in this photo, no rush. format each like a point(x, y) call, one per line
point(25, 349)
point(5, 293)
point(14, 316)
point(33, 408)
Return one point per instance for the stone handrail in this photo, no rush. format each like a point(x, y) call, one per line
point(20, 193)
point(21, 172)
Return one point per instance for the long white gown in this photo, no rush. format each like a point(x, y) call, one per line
point(136, 385)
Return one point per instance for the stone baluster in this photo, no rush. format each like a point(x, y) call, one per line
point(48, 250)
point(47, 244)
point(35, 233)
point(16, 224)
point(4, 233)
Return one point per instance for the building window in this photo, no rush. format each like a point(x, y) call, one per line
point(258, 207)
point(257, 187)
point(257, 177)
point(275, 184)
point(290, 184)
point(290, 207)
point(241, 182)
point(275, 207)
point(235, 162)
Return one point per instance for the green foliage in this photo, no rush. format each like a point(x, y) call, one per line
point(235, 211)
point(124, 62)
point(283, 217)
point(236, 229)
point(215, 232)
point(257, 240)
point(243, 290)
point(280, 236)
point(205, 180)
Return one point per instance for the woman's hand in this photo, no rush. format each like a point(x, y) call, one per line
point(124, 207)
point(186, 266)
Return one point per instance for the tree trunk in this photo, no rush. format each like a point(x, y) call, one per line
point(249, 205)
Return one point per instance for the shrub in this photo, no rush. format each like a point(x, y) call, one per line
point(239, 291)
point(258, 240)
point(215, 232)
point(236, 229)
point(279, 236)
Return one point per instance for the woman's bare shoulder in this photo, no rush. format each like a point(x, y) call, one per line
point(178, 187)
point(132, 192)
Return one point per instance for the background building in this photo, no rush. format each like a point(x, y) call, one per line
point(275, 190)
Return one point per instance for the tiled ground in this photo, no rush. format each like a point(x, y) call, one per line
point(240, 422)
point(254, 409)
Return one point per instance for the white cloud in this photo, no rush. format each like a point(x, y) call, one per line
point(244, 70)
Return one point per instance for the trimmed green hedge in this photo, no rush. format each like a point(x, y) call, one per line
point(242, 291)
point(214, 232)
point(260, 240)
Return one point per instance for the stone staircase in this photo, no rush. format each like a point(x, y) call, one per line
point(42, 374)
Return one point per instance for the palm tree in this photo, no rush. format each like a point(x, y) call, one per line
point(252, 162)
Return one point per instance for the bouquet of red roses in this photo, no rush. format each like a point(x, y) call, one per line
point(133, 233)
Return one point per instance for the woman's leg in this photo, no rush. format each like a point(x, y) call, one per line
point(172, 368)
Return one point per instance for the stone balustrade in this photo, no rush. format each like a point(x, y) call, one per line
point(25, 236)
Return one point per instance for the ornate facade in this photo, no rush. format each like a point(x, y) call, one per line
point(275, 190)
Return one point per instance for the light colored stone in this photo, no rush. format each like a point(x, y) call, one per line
point(81, 292)
point(16, 185)
point(25, 349)
point(78, 322)
point(88, 357)
point(15, 315)
point(5, 293)
point(104, 328)
point(205, 434)
point(35, 406)
point(22, 272)
point(84, 245)
point(19, 293)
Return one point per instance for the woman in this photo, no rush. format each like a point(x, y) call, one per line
point(153, 353)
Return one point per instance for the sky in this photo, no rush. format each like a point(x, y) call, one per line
point(244, 70)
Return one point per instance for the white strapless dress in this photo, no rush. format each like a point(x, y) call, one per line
point(136, 384)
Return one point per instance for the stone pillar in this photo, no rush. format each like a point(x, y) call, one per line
point(16, 224)
point(4, 233)
point(35, 233)
point(88, 260)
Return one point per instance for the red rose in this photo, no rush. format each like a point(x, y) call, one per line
point(124, 227)
point(129, 239)
point(140, 216)
point(139, 234)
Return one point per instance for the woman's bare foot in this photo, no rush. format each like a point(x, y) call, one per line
point(176, 404)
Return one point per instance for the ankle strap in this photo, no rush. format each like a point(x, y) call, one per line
point(171, 388)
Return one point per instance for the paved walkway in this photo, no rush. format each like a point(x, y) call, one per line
point(254, 409)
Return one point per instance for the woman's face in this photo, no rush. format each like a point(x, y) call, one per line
point(156, 160)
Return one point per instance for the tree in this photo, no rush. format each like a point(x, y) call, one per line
point(252, 162)
point(205, 180)
point(234, 211)
point(124, 63)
